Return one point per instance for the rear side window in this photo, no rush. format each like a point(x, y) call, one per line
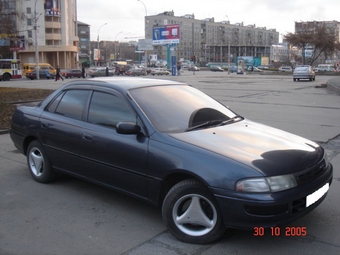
point(70, 104)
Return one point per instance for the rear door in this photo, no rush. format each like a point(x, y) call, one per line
point(61, 125)
point(79, 134)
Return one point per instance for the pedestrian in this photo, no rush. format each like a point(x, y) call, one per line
point(107, 71)
point(83, 71)
point(47, 72)
point(58, 75)
point(179, 68)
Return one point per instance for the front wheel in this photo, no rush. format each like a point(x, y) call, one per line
point(38, 164)
point(191, 213)
point(6, 77)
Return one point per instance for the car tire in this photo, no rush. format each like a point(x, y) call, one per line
point(38, 164)
point(191, 214)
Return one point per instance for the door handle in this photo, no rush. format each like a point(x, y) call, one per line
point(87, 137)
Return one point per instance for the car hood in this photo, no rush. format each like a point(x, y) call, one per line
point(268, 150)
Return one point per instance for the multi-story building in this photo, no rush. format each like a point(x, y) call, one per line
point(48, 27)
point(84, 44)
point(207, 40)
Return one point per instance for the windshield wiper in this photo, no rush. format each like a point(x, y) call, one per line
point(206, 124)
point(215, 123)
point(233, 119)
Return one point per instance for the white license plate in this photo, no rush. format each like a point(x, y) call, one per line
point(315, 196)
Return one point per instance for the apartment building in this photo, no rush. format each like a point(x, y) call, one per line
point(48, 27)
point(207, 40)
point(84, 33)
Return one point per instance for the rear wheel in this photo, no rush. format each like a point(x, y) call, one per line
point(191, 214)
point(38, 164)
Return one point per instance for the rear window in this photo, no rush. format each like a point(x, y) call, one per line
point(302, 68)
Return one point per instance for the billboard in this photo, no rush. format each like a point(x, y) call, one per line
point(96, 54)
point(145, 44)
point(166, 35)
point(52, 8)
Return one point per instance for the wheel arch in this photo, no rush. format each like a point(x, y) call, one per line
point(27, 141)
point(171, 180)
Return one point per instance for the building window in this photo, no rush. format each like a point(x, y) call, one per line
point(29, 22)
point(29, 33)
point(28, 10)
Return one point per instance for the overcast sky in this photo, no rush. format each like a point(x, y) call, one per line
point(127, 16)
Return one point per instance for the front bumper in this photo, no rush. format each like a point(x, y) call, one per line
point(242, 210)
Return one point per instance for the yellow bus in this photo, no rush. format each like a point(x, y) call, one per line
point(10, 69)
point(29, 67)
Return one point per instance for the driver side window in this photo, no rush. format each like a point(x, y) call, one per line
point(107, 110)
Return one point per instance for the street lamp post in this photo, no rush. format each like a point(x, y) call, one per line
point(98, 53)
point(36, 41)
point(116, 44)
point(228, 45)
point(145, 52)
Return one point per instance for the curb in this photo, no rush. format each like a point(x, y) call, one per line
point(334, 85)
point(5, 131)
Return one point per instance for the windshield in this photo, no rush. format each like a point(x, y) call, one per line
point(179, 108)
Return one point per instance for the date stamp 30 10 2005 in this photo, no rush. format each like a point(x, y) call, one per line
point(277, 231)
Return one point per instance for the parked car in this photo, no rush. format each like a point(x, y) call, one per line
point(233, 69)
point(170, 144)
point(193, 68)
point(159, 71)
point(135, 71)
point(70, 73)
point(216, 69)
point(98, 72)
point(266, 67)
point(324, 68)
point(42, 74)
point(285, 69)
point(254, 69)
point(304, 72)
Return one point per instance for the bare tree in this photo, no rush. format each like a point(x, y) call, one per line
point(8, 29)
point(320, 39)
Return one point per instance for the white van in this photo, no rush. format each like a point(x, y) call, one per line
point(325, 68)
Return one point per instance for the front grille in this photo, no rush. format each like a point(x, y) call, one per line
point(310, 174)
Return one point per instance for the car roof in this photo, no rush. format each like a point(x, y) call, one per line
point(122, 84)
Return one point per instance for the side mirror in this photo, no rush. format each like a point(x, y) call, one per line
point(127, 128)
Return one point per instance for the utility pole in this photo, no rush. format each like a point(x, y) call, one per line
point(36, 41)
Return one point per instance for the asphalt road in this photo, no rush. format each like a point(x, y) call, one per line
point(70, 216)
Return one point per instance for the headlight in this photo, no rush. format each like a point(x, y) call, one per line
point(253, 185)
point(281, 182)
point(266, 184)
